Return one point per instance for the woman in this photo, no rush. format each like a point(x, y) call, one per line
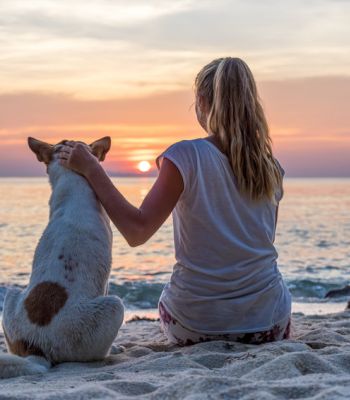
point(224, 192)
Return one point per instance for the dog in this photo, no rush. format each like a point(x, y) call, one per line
point(64, 314)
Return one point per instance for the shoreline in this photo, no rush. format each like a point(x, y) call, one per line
point(318, 308)
point(297, 308)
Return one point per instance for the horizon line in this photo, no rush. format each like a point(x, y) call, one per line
point(154, 175)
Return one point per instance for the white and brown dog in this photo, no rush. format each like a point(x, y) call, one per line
point(64, 314)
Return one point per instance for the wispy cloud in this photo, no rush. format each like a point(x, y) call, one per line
point(308, 127)
point(121, 48)
point(80, 69)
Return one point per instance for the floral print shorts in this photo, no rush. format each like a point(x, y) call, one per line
point(178, 334)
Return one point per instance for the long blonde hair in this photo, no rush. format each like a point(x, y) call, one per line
point(235, 117)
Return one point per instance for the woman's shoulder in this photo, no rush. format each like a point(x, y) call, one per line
point(185, 144)
point(189, 145)
point(183, 148)
point(182, 151)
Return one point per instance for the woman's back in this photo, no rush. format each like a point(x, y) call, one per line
point(226, 278)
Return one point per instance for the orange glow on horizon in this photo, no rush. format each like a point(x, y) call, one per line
point(310, 131)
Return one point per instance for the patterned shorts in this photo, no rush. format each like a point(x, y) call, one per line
point(178, 334)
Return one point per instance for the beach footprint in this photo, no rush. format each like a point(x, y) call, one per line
point(117, 349)
point(128, 388)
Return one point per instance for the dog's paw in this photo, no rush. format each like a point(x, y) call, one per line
point(116, 349)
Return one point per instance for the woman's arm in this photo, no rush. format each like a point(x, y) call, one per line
point(137, 225)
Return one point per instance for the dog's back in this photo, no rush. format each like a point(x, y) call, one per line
point(77, 243)
point(64, 313)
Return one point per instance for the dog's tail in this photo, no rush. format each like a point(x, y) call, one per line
point(12, 366)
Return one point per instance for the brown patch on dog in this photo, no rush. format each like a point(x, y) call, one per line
point(22, 348)
point(44, 301)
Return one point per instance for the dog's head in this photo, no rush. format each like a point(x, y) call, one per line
point(45, 152)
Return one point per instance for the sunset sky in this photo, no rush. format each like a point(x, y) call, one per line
point(85, 69)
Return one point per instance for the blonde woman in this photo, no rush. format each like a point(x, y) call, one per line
point(224, 191)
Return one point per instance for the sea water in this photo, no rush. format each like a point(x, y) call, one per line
point(312, 239)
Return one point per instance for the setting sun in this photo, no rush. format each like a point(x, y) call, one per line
point(144, 166)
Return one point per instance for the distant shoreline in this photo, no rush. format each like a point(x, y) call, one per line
point(155, 174)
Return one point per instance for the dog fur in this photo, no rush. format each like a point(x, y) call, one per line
point(64, 314)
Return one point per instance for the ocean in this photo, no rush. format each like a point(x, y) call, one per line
point(312, 239)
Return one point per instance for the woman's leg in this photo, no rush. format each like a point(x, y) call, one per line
point(278, 332)
point(178, 334)
point(175, 332)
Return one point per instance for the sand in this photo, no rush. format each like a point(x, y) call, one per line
point(313, 364)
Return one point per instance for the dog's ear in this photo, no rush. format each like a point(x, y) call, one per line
point(101, 147)
point(42, 150)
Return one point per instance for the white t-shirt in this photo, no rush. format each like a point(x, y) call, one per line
point(226, 278)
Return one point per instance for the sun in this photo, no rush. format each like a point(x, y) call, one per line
point(144, 166)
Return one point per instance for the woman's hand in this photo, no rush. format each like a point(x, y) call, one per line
point(78, 157)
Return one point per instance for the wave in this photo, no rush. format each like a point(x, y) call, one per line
point(143, 295)
point(138, 294)
point(135, 295)
point(309, 290)
point(3, 290)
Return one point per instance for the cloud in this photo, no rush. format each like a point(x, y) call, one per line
point(140, 128)
point(114, 49)
point(126, 68)
point(318, 105)
point(308, 119)
point(309, 104)
point(39, 109)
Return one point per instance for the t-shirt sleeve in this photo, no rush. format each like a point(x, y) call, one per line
point(280, 191)
point(182, 155)
point(279, 166)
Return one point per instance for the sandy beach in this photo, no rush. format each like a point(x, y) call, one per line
point(313, 364)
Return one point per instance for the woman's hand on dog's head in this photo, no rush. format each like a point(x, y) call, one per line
point(78, 157)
